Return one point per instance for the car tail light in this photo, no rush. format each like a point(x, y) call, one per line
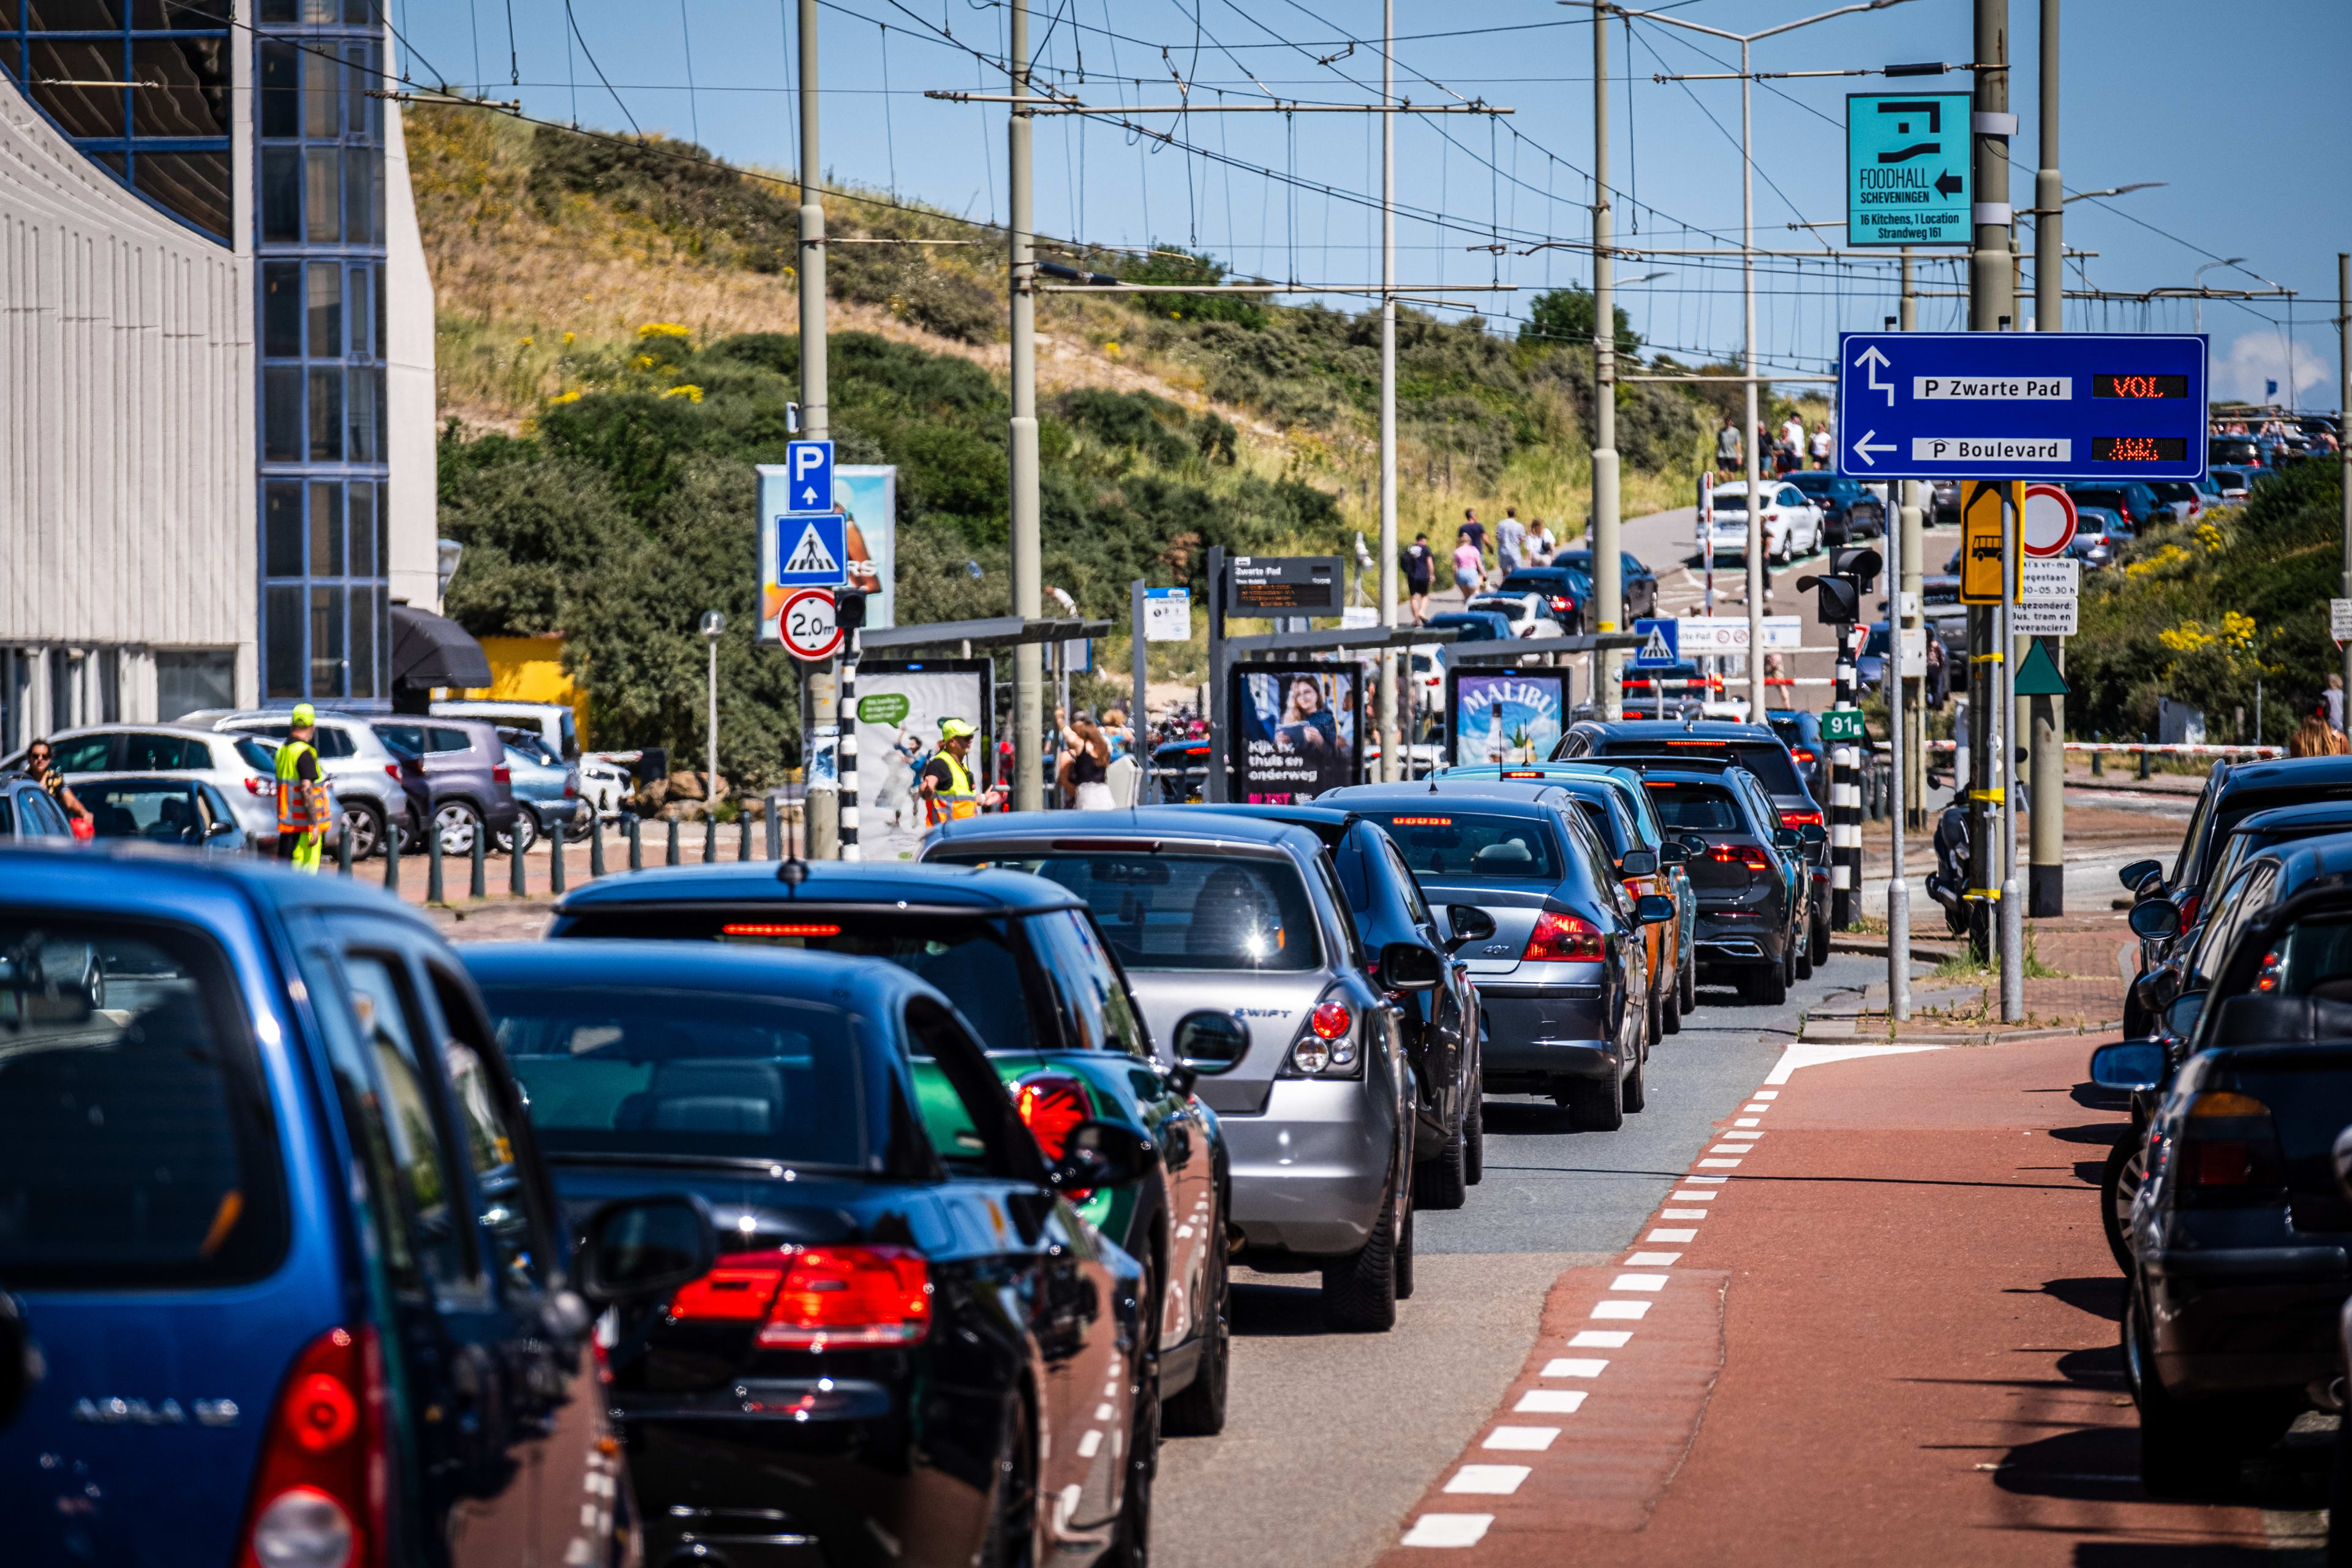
point(501, 774)
point(391, 769)
point(1746, 854)
point(1563, 938)
point(1800, 819)
point(2267, 977)
point(1802, 753)
point(2188, 910)
point(2229, 1141)
point(816, 1298)
point(1562, 603)
point(570, 789)
point(780, 928)
point(1331, 1020)
point(1051, 1106)
point(1326, 1048)
point(320, 1493)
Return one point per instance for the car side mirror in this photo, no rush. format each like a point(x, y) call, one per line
point(636, 1248)
point(1638, 863)
point(2157, 989)
point(2180, 1019)
point(1812, 832)
point(2156, 920)
point(1693, 845)
point(2138, 873)
point(1469, 923)
point(1654, 909)
point(20, 1364)
point(1410, 966)
point(1209, 1042)
point(2343, 1158)
point(1101, 1155)
point(1787, 839)
point(217, 828)
point(2135, 1065)
point(1673, 852)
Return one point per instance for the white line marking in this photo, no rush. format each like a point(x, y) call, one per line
point(1653, 1260)
point(1717, 1181)
point(1758, 1107)
point(1681, 1197)
point(1795, 1056)
point(1728, 1149)
point(1575, 1366)
point(1682, 1214)
point(1749, 1136)
point(1090, 1443)
point(1638, 1282)
point(1622, 1310)
point(1447, 1529)
point(1748, 1121)
point(1767, 1094)
point(1102, 1412)
point(1494, 1481)
point(1525, 1439)
point(1599, 1340)
point(1551, 1401)
point(1720, 1163)
point(1672, 1233)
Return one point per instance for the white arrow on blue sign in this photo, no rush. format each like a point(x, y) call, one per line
point(1662, 645)
point(811, 550)
point(808, 467)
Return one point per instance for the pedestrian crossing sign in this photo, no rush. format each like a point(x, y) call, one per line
point(814, 550)
point(1661, 645)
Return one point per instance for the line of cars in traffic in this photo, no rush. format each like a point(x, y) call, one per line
point(2228, 1202)
point(768, 1213)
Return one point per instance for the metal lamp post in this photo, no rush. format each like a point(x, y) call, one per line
point(713, 623)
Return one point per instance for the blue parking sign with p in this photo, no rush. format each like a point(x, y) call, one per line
point(1662, 641)
point(808, 476)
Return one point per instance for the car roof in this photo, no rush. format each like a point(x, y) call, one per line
point(699, 966)
point(1695, 730)
point(1136, 824)
point(125, 875)
point(1395, 796)
point(1647, 765)
point(2308, 860)
point(193, 731)
point(2304, 814)
point(1328, 823)
point(829, 881)
point(2285, 774)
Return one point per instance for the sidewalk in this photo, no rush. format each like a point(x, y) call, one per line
point(1876, 1325)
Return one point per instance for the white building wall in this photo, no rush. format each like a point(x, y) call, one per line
point(414, 513)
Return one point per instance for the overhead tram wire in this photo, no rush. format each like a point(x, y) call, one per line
point(693, 104)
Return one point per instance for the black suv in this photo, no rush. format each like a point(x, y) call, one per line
point(1753, 885)
point(1850, 511)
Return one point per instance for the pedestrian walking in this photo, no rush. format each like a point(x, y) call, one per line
point(1473, 531)
point(2317, 737)
point(948, 788)
point(1510, 542)
point(1820, 443)
point(40, 762)
point(303, 802)
point(1469, 568)
point(1541, 544)
point(1420, 562)
point(1728, 453)
point(2335, 702)
point(1086, 763)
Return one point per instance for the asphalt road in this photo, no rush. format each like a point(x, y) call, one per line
point(1332, 1437)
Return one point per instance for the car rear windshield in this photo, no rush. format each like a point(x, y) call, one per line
point(1188, 911)
point(643, 1070)
point(137, 1147)
point(1461, 843)
point(1769, 761)
point(1695, 807)
point(970, 960)
point(153, 809)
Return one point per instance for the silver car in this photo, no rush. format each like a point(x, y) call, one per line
point(243, 768)
point(363, 773)
point(1237, 942)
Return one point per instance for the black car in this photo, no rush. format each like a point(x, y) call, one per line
point(1753, 883)
point(1022, 961)
point(2238, 1236)
point(911, 1347)
point(1800, 730)
point(1441, 1025)
point(1849, 509)
point(2128, 499)
point(1567, 591)
point(1560, 957)
point(1637, 584)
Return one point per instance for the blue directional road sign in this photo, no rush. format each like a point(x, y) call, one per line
point(1907, 169)
point(808, 471)
point(1661, 643)
point(2020, 405)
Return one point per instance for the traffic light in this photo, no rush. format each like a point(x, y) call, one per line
point(1851, 574)
point(1862, 567)
point(849, 610)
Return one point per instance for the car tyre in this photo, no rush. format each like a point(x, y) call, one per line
point(1819, 923)
point(1804, 952)
point(1595, 1106)
point(1635, 1094)
point(1474, 1135)
point(1444, 1183)
point(1654, 1020)
point(1011, 1539)
point(456, 822)
point(1131, 1540)
point(1359, 1291)
point(1198, 1409)
point(1767, 986)
point(363, 825)
point(1670, 1014)
point(525, 833)
point(1690, 984)
point(1404, 1255)
point(2339, 1501)
point(2118, 1185)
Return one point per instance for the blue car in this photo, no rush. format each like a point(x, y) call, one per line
point(279, 1232)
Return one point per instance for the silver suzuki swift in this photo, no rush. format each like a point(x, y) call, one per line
point(1235, 939)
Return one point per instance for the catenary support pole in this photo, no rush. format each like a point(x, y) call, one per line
point(1393, 754)
point(2344, 435)
point(1759, 700)
point(1608, 578)
point(1991, 305)
point(1138, 711)
point(1909, 577)
point(1215, 788)
point(1845, 795)
point(2013, 906)
point(1028, 570)
point(849, 849)
point(2045, 893)
point(822, 709)
point(1898, 888)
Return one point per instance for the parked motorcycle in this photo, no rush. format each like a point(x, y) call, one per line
point(1948, 884)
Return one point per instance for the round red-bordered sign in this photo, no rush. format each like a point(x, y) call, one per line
point(808, 625)
point(2049, 523)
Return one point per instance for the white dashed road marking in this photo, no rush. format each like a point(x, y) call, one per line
point(1549, 1402)
point(1526, 1439)
point(1499, 1480)
point(1634, 1309)
point(1575, 1366)
point(1448, 1530)
point(1599, 1340)
point(1684, 1234)
point(1638, 1282)
point(1653, 1260)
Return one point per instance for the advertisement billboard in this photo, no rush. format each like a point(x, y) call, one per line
point(1296, 731)
point(1505, 716)
point(900, 705)
point(867, 498)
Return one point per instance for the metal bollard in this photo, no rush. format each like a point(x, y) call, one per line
point(636, 825)
point(555, 857)
point(2097, 771)
point(596, 843)
point(392, 863)
point(709, 838)
point(673, 858)
point(479, 886)
point(518, 872)
point(743, 838)
point(343, 851)
point(432, 889)
point(2143, 758)
point(774, 818)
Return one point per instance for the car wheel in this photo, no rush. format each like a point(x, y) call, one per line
point(2191, 1448)
point(1473, 1136)
point(1360, 1292)
point(1690, 983)
point(457, 823)
point(1443, 1182)
point(1804, 951)
point(1820, 933)
point(1131, 1543)
point(1654, 1021)
point(524, 835)
point(1011, 1540)
point(1767, 986)
point(2135, 1015)
point(363, 827)
point(1595, 1107)
point(1670, 1014)
point(2118, 1185)
point(1404, 1280)
point(1198, 1409)
point(1636, 1092)
point(2339, 1501)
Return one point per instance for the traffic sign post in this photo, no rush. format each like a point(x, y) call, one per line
point(1906, 180)
point(1661, 649)
point(808, 467)
point(811, 625)
point(2032, 406)
point(1985, 508)
point(814, 549)
point(2048, 594)
point(2048, 522)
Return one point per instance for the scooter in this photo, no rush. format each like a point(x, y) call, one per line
point(1948, 884)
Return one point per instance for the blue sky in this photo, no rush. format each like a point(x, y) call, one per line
point(2241, 110)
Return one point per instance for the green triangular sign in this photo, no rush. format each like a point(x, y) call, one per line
point(2037, 676)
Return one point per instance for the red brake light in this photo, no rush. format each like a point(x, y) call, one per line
point(1562, 602)
point(320, 1493)
point(1800, 819)
point(1802, 753)
point(1746, 854)
point(391, 769)
point(1051, 1106)
point(1331, 1021)
point(1558, 937)
point(256, 785)
point(816, 1298)
point(2188, 910)
point(501, 774)
point(748, 928)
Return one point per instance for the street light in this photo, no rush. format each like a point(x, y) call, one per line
point(713, 623)
point(1757, 576)
point(2117, 190)
point(2197, 280)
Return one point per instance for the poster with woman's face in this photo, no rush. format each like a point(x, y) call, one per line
point(1295, 735)
point(1506, 718)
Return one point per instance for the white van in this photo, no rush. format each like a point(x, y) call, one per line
point(552, 721)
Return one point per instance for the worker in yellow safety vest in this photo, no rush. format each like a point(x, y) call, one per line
point(950, 793)
point(302, 800)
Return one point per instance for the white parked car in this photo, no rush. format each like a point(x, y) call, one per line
point(365, 775)
point(1529, 615)
point(1793, 524)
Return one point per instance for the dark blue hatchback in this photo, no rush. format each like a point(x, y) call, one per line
point(273, 1220)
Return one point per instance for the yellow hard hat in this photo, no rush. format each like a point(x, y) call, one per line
point(304, 714)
